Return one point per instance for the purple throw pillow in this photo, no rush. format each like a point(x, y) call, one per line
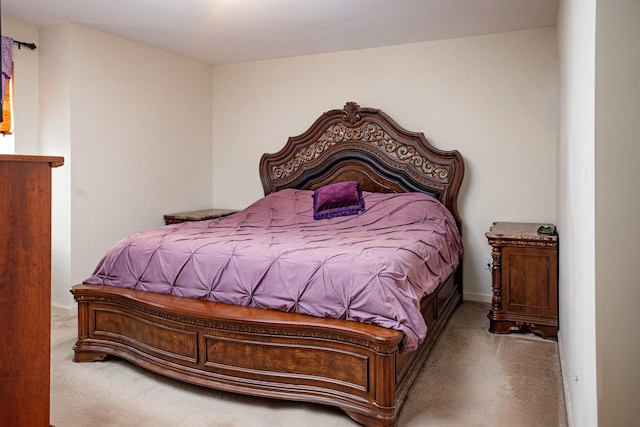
point(339, 199)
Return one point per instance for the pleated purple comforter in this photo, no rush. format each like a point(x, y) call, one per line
point(372, 267)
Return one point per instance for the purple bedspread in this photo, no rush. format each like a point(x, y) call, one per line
point(373, 267)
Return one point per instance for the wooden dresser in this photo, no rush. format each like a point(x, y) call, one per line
point(525, 279)
point(25, 289)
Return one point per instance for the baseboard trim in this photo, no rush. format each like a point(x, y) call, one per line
point(565, 383)
point(64, 310)
point(475, 296)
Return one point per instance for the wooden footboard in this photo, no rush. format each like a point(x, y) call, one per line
point(354, 366)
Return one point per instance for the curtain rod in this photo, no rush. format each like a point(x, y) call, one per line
point(25, 44)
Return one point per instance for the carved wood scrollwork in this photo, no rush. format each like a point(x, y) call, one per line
point(496, 299)
point(497, 242)
point(351, 112)
point(367, 132)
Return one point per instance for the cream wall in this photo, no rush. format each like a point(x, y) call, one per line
point(598, 210)
point(134, 124)
point(494, 98)
point(576, 215)
point(55, 139)
point(617, 209)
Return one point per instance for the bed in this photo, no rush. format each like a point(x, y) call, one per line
point(361, 363)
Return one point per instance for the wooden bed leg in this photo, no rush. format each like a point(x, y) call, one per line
point(369, 421)
point(88, 356)
point(81, 355)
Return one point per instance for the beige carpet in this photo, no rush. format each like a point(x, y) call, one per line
point(471, 378)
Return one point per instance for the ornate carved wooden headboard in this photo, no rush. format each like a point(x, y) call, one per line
point(364, 145)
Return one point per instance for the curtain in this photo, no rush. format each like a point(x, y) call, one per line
point(7, 62)
point(7, 73)
point(7, 110)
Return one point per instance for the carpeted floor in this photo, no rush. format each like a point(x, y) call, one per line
point(471, 378)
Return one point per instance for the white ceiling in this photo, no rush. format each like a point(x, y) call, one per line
point(229, 31)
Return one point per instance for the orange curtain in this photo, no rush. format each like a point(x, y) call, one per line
point(7, 109)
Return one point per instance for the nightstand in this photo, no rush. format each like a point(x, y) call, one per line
point(525, 279)
point(201, 215)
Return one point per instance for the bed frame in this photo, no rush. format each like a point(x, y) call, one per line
point(357, 367)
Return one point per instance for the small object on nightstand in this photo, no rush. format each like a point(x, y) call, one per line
point(547, 229)
point(201, 215)
point(525, 278)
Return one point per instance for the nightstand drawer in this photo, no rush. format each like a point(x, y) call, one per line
point(529, 281)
